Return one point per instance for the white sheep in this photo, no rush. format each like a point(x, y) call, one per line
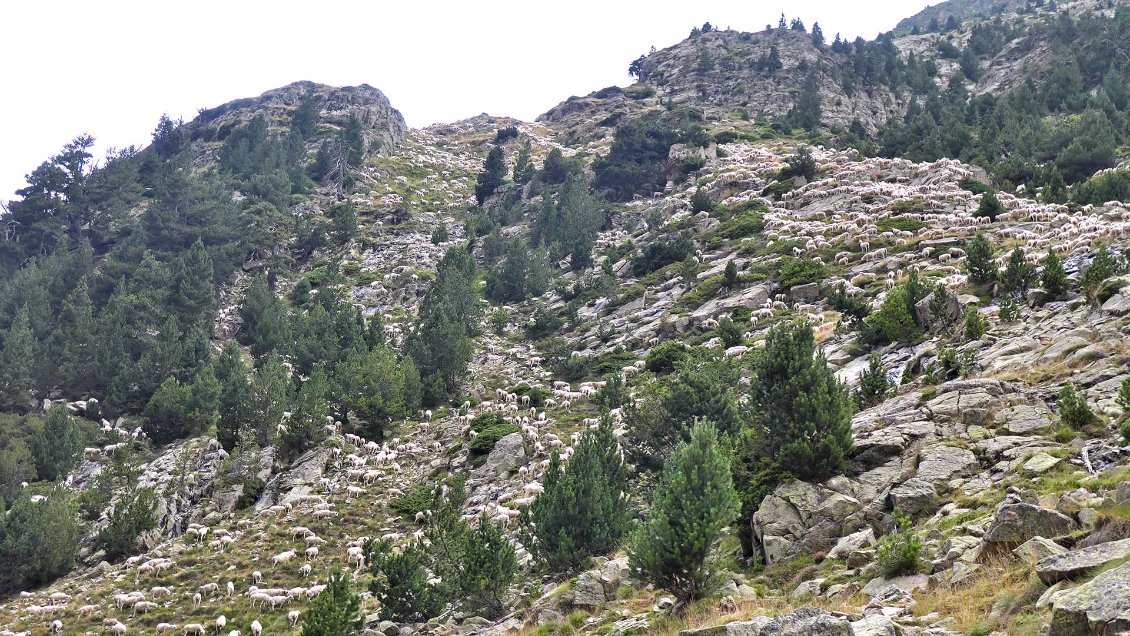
point(293, 617)
point(256, 628)
point(283, 557)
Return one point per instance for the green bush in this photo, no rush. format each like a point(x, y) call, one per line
point(1074, 410)
point(905, 225)
point(1103, 266)
point(1123, 398)
point(973, 325)
point(701, 201)
point(409, 504)
point(665, 356)
point(972, 185)
point(979, 260)
point(874, 384)
point(901, 551)
point(661, 253)
point(800, 271)
point(741, 225)
point(990, 206)
point(484, 442)
point(131, 515)
point(400, 581)
point(1053, 278)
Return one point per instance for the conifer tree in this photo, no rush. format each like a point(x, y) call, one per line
point(1053, 279)
point(694, 501)
point(524, 170)
point(801, 412)
point(494, 171)
point(1018, 275)
point(400, 581)
point(57, 446)
point(192, 296)
point(989, 206)
point(979, 260)
point(874, 383)
point(231, 372)
point(580, 514)
point(334, 612)
point(74, 341)
point(16, 357)
point(38, 541)
point(306, 426)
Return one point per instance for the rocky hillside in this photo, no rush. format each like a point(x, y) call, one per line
point(984, 489)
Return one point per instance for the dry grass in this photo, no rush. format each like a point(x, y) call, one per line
point(999, 597)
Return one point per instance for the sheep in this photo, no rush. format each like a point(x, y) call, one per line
point(257, 576)
point(194, 628)
point(87, 610)
point(209, 588)
point(311, 553)
point(231, 588)
point(118, 629)
point(166, 627)
point(256, 628)
point(293, 617)
point(283, 557)
point(56, 626)
point(196, 598)
point(159, 590)
point(234, 632)
point(60, 597)
point(221, 622)
point(305, 570)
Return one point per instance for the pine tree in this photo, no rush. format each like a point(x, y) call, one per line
point(979, 261)
point(524, 170)
point(38, 541)
point(231, 372)
point(874, 383)
point(1018, 275)
point(17, 465)
point(580, 514)
point(801, 413)
point(693, 502)
point(400, 582)
point(192, 297)
point(57, 446)
point(334, 612)
point(989, 206)
point(730, 274)
point(266, 403)
point(16, 357)
point(1053, 279)
point(817, 35)
point(74, 342)
point(306, 426)
point(266, 325)
point(494, 171)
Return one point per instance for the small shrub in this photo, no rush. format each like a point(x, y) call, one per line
point(800, 271)
point(901, 551)
point(973, 326)
point(905, 225)
point(701, 201)
point(1123, 398)
point(972, 185)
point(484, 442)
point(1010, 310)
point(874, 384)
point(1073, 409)
point(439, 235)
point(990, 206)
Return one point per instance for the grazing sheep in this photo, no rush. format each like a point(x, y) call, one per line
point(257, 576)
point(118, 629)
point(56, 626)
point(87, 610)
point(196, 598)
point(166, 627)
point(221, 622)
point(283, 557)
point(311, 553)
point(293, 616)
point(256, 628)
point(194, 628)
point(231, 588)
point(305, 570)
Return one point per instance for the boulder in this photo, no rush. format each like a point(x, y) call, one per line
point(1037, 548)
point(508, 453)
point(1122, 492)
point(752, 627)
point(808, 588)
point(807, 621)
point(1040, 463)
point(924, 314)
point(804, 293)
point(388, 628)
point(1117, 305)
point(939, 464)
point(876, 625)
point(914, 497)
point(1016, 523)
point(852, 542)
point(800, 517)
point(878, 586)
point(588, 591)
point(1076, 563)
point(1099, 606)
point(1024, 418)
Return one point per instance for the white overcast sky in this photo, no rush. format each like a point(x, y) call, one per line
point(110, 68)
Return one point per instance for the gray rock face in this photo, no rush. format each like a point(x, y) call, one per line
point(1037, 548)
point(1099, 606)
point(751, 627)
point(1024, 418)
point(807, 621)
point(508, 453)
point(1019, 522)
point(1040, 463)
point(925, 316)
point(938, 464)
point(914, 496)
point(1069, 565)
